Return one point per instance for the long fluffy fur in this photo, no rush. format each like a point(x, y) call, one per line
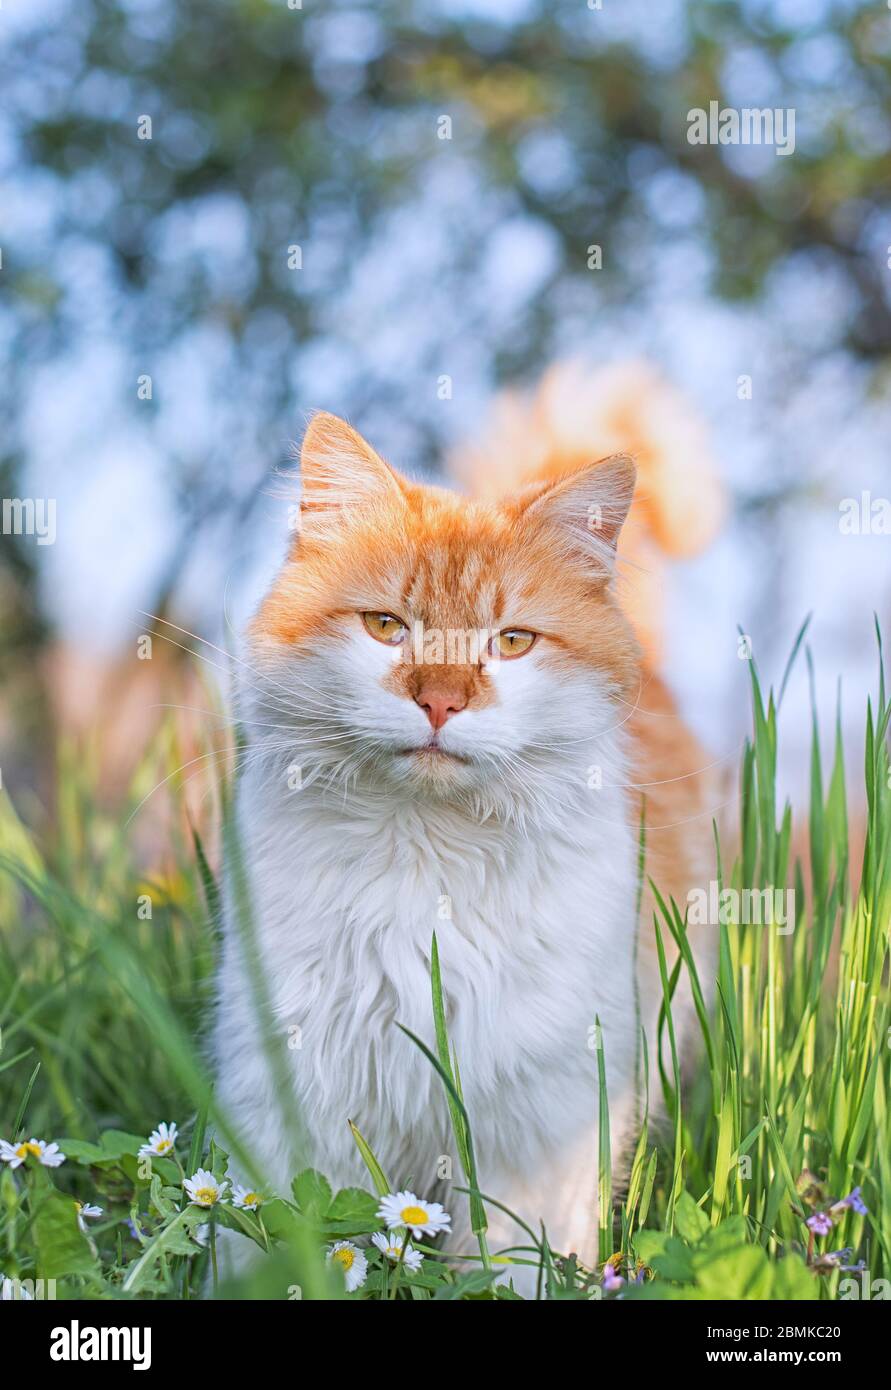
point(520, 859)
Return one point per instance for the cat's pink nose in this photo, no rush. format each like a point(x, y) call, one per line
point(439, 706)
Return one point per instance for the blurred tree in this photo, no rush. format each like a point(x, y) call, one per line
point(248, 182)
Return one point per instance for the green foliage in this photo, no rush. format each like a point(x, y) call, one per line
point(702, 1261)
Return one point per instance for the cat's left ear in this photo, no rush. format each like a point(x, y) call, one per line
point(586, 510)
point(340, 474)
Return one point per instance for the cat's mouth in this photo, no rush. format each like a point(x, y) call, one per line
point(432, 753)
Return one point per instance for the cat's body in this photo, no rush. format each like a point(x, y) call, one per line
point(349, 896)
point(493, 802)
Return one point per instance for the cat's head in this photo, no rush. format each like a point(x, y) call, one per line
point(455, 647)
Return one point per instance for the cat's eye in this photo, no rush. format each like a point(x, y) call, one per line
point(515, 641)
point(385, 628)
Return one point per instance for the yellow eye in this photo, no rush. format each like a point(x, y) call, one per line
point(385, 628)
point(516, 641)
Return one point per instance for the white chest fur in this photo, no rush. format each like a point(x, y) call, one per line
point(535, 934)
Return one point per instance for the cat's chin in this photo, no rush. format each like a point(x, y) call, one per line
point(432, 766)
point(432, 755)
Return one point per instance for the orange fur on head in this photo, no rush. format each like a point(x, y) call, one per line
point(370, 539)
point(578, 414)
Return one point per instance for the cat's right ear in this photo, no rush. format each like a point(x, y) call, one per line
point(341, 476)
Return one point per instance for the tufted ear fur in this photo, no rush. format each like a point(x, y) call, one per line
point(341, 473)
point(586, 511)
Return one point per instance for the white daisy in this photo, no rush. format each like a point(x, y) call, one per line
point(245, 1198)
point(11, 1290)
point(86, 1209)
point(204, 1189)
point(160, 1141)
point(351, 1260)
point(421, 1218)
point(15, 1154)
point(391, 1246)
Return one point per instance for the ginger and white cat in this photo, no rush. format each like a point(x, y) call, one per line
point(490, 793)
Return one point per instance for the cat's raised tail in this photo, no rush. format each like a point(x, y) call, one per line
point(581, 412)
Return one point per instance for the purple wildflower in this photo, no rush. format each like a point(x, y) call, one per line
point(612, 1280)
point(829, 1260)
point(854, 1201)
point(820, 1223)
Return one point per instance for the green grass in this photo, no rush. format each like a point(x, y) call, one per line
point(102, 1015)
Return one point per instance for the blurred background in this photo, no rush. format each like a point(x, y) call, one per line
point(217, 217)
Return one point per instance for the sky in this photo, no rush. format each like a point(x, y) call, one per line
point(812, 430)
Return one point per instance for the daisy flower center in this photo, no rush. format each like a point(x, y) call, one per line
point(206, 1194)
point(250, 1198)
point(414, 1216)
point(344, 1257)
point(24, 1149)
point(163, 1145)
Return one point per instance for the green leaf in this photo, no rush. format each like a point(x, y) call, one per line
point(164, 1167)
point(113, 1148)
point(730, 1233)
point(23, 1105)
point(80, 1151)
point(219, 1160)
point(649, 1244)
point(448, 1068)
point(60, 1245)
point(674, 1261)
point(477, 1282)
point(742, 1273)
point(353, 1204)
point(163, 1204)
point(236, 1219)
point(312, 1193)
point(430, 1276)
point(174, 1239)
point(281, 1220)
point(196, 1148)
point(209, 885)
point(336, 1230)
point(477, 1210)
point(792, 1279)
point(378, 1176)
point(691, 1223)
point(668, 1255)
point(18, 1057)
point(604, 1163)
point(116, 1142)
point(656, 1291)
